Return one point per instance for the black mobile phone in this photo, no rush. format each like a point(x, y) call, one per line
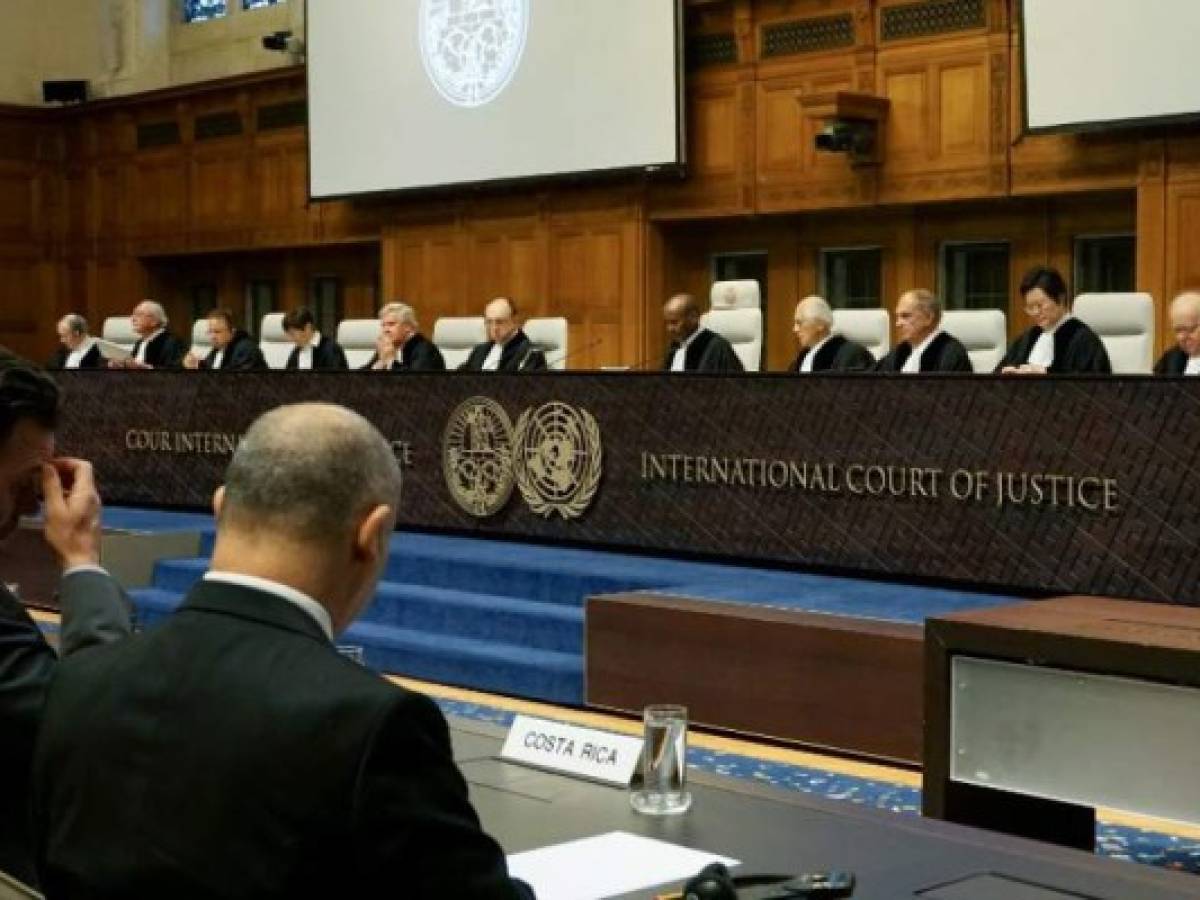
point(823, 885)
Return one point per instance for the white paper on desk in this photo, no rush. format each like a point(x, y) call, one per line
point(607, 865)
point(109, 350)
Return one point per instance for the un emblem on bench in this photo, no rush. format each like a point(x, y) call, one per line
point(554, 456)
point(558, 459)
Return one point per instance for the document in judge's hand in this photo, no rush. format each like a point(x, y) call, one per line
point(109, 350)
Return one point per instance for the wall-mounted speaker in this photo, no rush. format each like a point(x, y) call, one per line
point(73, 91)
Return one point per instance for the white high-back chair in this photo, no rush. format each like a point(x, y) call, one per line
point(201, 345)
point(1125, 323)
point(117, 330)
point(457, 336)
point(870, 327)
point(736, 315)
point(357, 337)
point(984, 332)
point(276, 346)
point(549, 336)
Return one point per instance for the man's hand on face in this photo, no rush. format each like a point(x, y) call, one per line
point(72, 511)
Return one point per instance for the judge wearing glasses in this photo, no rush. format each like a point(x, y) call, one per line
point(1184, 357)
point(1057, 343)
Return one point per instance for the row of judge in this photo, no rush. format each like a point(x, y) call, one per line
point(399, 347)
point(1056, 343)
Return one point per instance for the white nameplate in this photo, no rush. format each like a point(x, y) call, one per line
point(598, 755)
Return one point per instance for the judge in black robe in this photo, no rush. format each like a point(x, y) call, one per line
point(301, 328)
point(1072, 348)
point(1185, 324)
point(517, 354)
point(812, 324)
point(327, 355)
point(416, 354)
point(400, 346)
point(918, 323)
point(703, 350)
point(156, 347)
point(73, 337)
point(241, 354)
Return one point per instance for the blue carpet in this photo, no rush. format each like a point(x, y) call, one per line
point(1116, 841)
point(508, 618)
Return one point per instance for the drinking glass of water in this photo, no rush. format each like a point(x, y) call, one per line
point(664, 762)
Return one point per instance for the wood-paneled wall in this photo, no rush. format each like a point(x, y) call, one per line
point(103, 204)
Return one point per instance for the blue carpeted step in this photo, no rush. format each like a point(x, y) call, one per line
point(482, 665)
point(506, 620)
point(154, 604)
point(178, 575)
point(563, 583)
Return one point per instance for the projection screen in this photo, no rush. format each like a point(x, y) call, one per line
point(1092, 64)
point(407, 94)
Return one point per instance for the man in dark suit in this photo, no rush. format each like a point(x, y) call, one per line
point(694, 348)
point(820, 349)
point(1184, 357)
point(401, 347)
point(76, 348)
point(314, 351)
point(232, 751)
point(924, 347)
point(508, 348)
point(156, 347)
point(233, 350)
point(94, 609)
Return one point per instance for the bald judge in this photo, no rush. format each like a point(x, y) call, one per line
point(924, 347)
point(508, 348)
point(1184, 357)
point(820, 349)
point(693, 347)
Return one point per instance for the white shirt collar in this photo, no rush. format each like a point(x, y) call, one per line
point(284, 592)
point(810, 358)
point(1193, 366)
point(687, 342)
point(924, 345)
point(75, 356)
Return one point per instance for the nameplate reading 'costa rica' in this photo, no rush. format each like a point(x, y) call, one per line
point(1029, 485)
point(573, 750)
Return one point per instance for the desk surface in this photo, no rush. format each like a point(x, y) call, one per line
point(893, 856)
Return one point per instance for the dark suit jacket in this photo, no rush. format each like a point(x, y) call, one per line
point(328, 354)
point(232, 752)
point(519, 355)
point(95, 611)
point(164, 352)
point(708, 352)
point(945, 353)
point(242, 355)
point(1076, 349)
point(838, 355)
point(90, 360)
point(417, 355)
point(1173, 362)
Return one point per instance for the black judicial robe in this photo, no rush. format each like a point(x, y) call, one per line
point(90, 360)
point(242, 355)
point(519, 355)
point(1076, 349)
point(708, 352)
point(945, 353)
point(1173, 362)
point(164, 352)
point(327, 355)
point(838, 355)
point(417, 355)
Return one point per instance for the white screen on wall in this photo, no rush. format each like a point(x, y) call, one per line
point(1093, 63)
point(421, 93)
